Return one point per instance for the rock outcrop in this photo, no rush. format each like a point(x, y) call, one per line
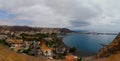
point(110, 52)
point(112, 48)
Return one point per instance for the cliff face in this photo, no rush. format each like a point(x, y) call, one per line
point(112, 48)
point(35, 29)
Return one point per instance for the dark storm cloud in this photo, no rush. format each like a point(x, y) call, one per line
point(79, 23)
point(73, 9)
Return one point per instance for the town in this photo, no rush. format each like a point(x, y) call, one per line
point(47, 44)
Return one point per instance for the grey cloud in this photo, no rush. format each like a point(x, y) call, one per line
point(72, 8)
point(79, 23)
point(64, 13)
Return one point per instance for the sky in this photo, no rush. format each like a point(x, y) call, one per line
point(92, 15)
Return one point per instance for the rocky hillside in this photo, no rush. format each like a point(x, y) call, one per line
point(109, 53)
point(110, 49)
point(27, 28)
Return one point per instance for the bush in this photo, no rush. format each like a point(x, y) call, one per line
point(80, 59)
point(73, 49)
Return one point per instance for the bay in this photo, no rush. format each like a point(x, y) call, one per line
point(87, 42)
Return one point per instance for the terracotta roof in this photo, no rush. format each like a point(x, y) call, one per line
point(70, 57)
point(15, 41)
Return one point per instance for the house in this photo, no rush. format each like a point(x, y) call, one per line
point(71, 57)
point(35, 48)
point(14, 41)
point(3, 36)
point(31, 37)
point(26, 45)
point(16, 47)
point(16, 44)
point(61, 50)
point(48, 38)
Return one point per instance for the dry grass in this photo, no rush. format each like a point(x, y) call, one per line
point(114, 57)
point(8, 55)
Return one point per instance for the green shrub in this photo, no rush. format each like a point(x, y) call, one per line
point(80, 59)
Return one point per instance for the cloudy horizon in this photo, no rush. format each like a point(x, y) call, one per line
point(93, 15)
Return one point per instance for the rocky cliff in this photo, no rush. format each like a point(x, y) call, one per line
point(110, 52)
point(112, 48)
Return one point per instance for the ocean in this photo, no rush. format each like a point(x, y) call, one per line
point(87, 42)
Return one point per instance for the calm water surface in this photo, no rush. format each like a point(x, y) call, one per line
point(87, 42)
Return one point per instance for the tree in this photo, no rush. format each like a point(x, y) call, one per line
point(80, 59)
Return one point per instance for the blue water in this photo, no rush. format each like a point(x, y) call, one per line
point(87, 42)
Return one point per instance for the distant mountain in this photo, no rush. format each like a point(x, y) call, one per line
point(27, 28)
